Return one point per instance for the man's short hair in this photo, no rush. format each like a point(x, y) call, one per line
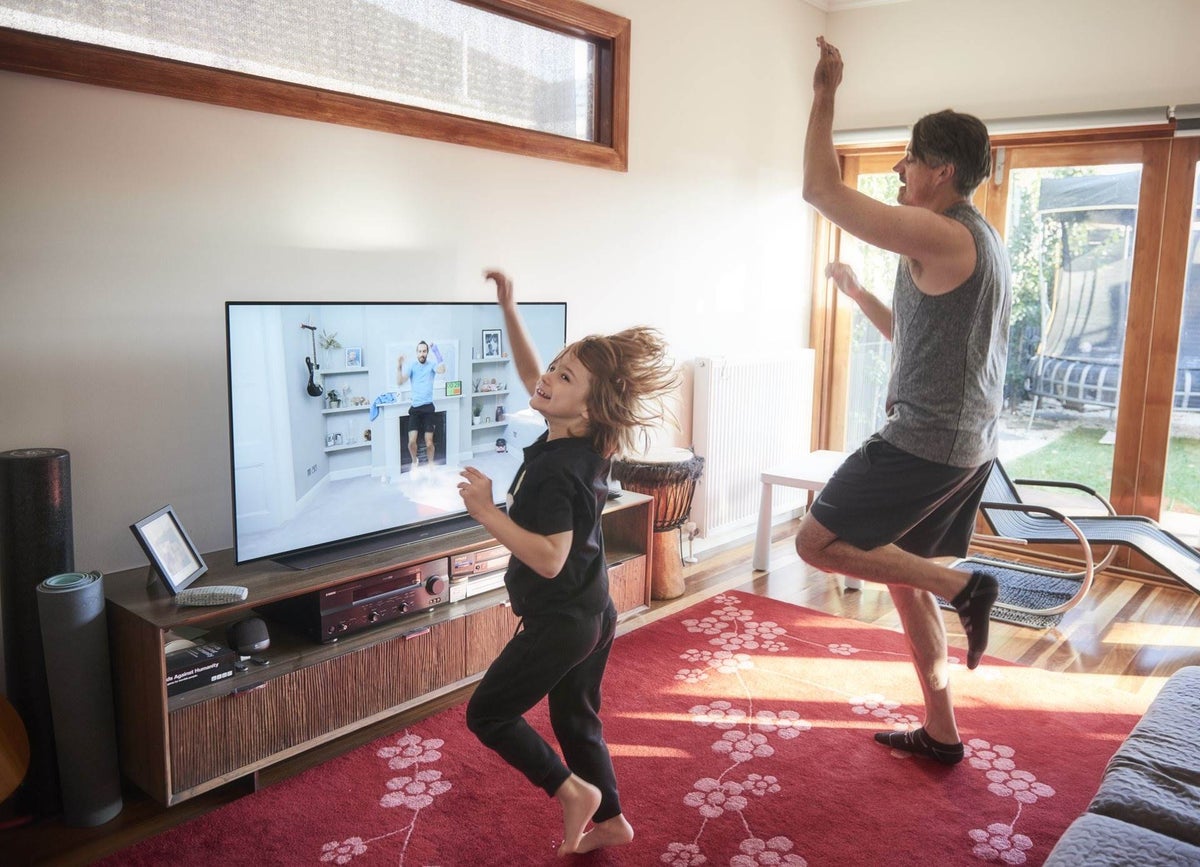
point(955, 138)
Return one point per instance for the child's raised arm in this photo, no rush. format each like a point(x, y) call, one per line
point(529, 366)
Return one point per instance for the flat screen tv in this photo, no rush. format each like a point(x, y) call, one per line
point(322, 440)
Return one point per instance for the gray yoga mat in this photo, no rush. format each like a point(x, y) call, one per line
point(75, 640)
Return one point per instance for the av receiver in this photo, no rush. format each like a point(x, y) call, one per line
point(371, 600)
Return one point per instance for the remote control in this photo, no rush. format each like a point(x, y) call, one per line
point(217, 594)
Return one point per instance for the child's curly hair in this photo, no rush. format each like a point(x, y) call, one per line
point(631, 378)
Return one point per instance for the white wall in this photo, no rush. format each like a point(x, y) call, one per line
point(1014, 58)
point(126, 222)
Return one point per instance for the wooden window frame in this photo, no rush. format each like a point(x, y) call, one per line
point(53, 57)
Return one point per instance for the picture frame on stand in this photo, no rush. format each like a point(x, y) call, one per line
point(493, 343)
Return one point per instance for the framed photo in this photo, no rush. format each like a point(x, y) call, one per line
point(454, 388)
point(354, 356)
point(492, 343)
point(169, 548)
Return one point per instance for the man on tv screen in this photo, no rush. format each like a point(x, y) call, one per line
point(421, 412)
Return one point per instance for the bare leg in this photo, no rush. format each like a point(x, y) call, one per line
point(926, 633)
point(412, 447)
point(579, 800)
point(429, 449)
point(611, 832)
point(886, 564)
point(912, 582)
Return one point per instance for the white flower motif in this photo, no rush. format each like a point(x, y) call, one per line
point(713, 798)
point(412, 750)
point(705, 626)
point(765, 629)
point(683, 855)
point(842, 649)
point(760, 785)
point(1021, 786)
point(341, 853)
point(415, 792)
point(760, 853)
point(734, 641)
point(741, 747)
point(1004, 779)
point(985, 756)
point(730, 663)
point(691, 675)
point(694, 655)
point(719, 714)
point(999, 843)
point(873, 705)
point(787, 723)
point(731, 612)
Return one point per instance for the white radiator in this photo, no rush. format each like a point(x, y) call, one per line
point(748, 415)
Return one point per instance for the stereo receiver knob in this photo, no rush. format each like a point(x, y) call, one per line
point(373, 617)
point(435, 585)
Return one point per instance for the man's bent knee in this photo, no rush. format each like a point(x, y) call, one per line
point(813, 541)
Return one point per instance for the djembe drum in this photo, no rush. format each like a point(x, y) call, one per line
point(669, 475)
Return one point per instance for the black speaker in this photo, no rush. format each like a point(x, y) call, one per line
point(36, 542)
point(248, 636)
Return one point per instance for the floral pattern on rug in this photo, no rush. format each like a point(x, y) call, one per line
point(414, 790)
point(750, 736)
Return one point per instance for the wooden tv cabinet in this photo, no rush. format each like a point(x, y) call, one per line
point(179, 746)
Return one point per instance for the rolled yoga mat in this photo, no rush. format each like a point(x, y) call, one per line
point(75, 636)
point(36, 541)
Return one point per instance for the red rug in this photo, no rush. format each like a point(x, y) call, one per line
point(741, 734)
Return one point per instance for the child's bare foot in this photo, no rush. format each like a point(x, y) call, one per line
point(579, 800)
point(611, 832)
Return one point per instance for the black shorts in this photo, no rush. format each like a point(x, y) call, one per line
point(883, 495)
point(420, 419)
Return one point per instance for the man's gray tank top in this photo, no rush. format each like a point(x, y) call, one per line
point(949, 353)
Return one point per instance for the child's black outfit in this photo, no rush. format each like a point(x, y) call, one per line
point(567, 630)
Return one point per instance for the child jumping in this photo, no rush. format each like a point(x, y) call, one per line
point(594, 396)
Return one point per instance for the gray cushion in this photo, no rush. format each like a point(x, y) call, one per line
point(1153, 779)
point(1101, 841)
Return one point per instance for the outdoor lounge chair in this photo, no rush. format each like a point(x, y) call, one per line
point(1013, 520)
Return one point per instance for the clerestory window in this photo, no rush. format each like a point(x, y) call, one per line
point(549, 79)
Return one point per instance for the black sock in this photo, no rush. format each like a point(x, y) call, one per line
point(974, 606)
point(921, 744)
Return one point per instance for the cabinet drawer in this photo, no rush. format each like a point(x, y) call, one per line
point(627, 584)
point(487, 633)
point(230, 734)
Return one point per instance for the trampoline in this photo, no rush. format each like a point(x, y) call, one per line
point(1078, 360)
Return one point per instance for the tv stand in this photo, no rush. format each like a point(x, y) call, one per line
point(176, 747)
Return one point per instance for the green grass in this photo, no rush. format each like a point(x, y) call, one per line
point(1079, 457)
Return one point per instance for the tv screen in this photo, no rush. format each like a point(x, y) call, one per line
point(323, 433)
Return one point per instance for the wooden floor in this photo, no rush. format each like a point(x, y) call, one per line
point(1128, 635)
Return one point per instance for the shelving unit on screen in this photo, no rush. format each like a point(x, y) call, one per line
point(346, 407)
point(489, 389)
